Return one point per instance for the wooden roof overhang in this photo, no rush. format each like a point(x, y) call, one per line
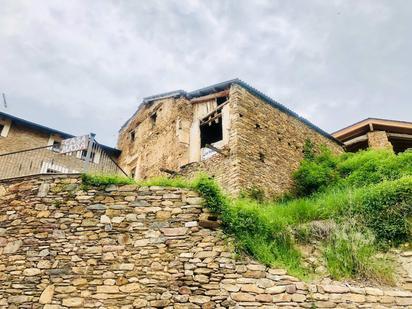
point(359, 129)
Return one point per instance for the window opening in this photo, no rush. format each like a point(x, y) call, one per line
point(132, 136)
point(261, 157)
point(221, 100)
point(1, 128)
point(52, 171)
point(84, 155)
point(56, 146)
point(153, 118)
point(211, 132)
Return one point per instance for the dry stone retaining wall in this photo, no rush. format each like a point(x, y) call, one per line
point(62, 246)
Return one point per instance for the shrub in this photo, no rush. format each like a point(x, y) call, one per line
point(257, 234)
point(211, 192)
point(351, 253)
point(254, 193)
point(385, 209)
point(324, 171)
point(316, 174)
point(373, 166)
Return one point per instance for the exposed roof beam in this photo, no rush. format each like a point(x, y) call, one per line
point(400, 136)
point(212, 96)
point(355, 140)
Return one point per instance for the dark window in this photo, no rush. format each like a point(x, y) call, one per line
point(1, 128)
point(261, 157)
point(132, 136)
point(84, 155)
point(211, 132)
point(153, 118)
point(221, 100)
point(133, 173)
point(56, 145)
point(52, 171)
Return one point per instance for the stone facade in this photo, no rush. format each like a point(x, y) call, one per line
point(19, 137)
point(270, 144)
point(378, 140)
point(261, 144)
point(157, 137)
point(66, 246)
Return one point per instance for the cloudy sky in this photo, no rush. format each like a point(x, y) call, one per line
point(84, 66)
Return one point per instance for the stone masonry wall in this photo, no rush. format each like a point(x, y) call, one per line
point(219, 167)
point(160, 142)
point(270, 144)
point(62, 246)
point(21, 138)
point(378, 140)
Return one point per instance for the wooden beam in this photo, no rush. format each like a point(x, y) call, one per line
point(355, 140)
point(400, 135)
point(213, 112)
point(210, 97)
point(222, 152)
point(210, 120)
point(170, 172)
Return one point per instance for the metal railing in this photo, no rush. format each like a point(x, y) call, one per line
point(49, 160)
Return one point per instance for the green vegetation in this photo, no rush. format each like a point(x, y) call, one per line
point(351, 253)
point(104, 180)
point(363, 202)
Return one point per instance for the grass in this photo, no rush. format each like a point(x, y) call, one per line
point(351, 253)
point(267, 231)
point(370, 190)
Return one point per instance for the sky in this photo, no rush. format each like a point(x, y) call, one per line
point(84, 66)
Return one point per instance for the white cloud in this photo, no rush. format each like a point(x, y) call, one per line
point(83, 66)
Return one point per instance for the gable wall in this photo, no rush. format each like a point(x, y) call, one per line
point(279, 137)
point(161, 145)
point(21, 138)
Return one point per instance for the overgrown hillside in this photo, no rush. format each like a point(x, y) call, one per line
point(346, 211)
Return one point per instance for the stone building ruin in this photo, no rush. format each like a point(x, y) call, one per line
point(230, 130)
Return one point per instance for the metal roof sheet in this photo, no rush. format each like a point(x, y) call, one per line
point(226, 84)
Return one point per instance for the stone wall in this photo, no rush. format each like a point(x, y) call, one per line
point(62, 246)
point(161, 138)
point(378, 140)
point(270, 144)
point(221, 168)
point(21, 138)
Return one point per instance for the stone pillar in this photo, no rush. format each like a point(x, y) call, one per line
point(379, 140)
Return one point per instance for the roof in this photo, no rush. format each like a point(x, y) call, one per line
point(224, 85)
point(369, 124)
point(48, 130)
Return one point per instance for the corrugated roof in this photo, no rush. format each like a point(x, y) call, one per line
point(224, 85)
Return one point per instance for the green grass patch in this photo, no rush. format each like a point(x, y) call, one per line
point(104, 180)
